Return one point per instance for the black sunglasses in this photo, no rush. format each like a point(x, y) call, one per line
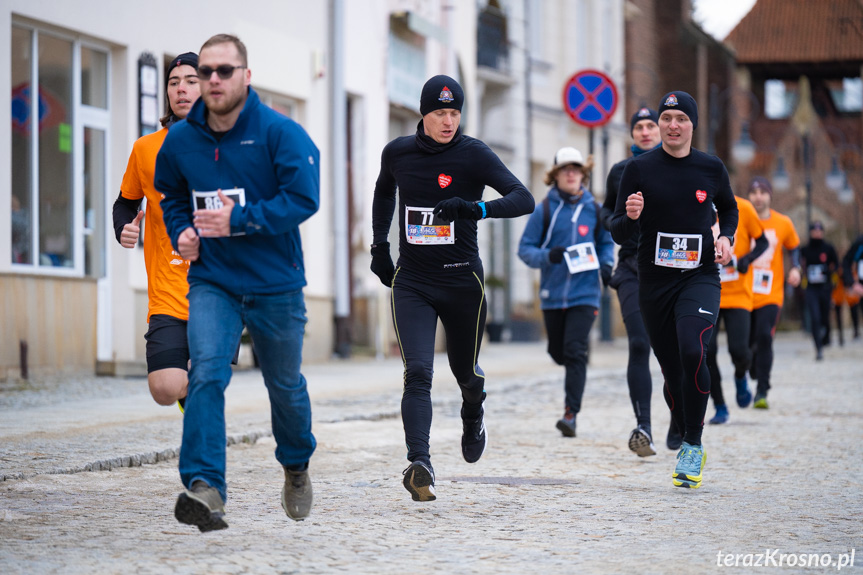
point(224, 71)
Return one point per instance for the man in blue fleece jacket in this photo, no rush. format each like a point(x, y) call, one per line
point(238, 179)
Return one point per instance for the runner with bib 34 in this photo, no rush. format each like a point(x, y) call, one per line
point(668, 195)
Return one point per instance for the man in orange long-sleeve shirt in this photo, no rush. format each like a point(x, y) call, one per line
point(167, 344)
point(768, 283)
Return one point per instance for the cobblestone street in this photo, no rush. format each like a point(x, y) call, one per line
point(788, 478)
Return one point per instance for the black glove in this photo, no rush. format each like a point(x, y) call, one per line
point(382, 263)
point(605, 274)
point(457, 209)
point(743, 264)
point(555, 254)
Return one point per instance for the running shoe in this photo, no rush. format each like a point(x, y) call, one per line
point(297, 494)
point(201, 506)
point(760, 401)
point(566, 424)
point(473, 437)
point(419, 481)
point(744, 396)
point(690, 464)
point(641, 443)
point(673, 440)
point(721, 415)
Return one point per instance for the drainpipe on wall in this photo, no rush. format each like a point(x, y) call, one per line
point(338, 146)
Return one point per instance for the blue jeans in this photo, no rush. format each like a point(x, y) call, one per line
point(276, 323)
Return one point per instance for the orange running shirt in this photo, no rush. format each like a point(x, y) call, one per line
point(768, 271)
point(737, 287)
point(167, 285)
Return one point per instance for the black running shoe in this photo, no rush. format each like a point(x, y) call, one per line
point(674, 439)
point(201, 506)
point(473, 437)
point(566, 424)
point(419, 480)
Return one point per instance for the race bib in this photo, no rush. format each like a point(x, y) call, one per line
point(762, 281)
point(815, 274)
point(581, 257)
point(681, 251)
point(422, 227)
point(211, 200)
point(728, 273)
point(860, 271)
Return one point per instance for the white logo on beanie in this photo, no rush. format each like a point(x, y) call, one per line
point(671, 100)
point(446, 96)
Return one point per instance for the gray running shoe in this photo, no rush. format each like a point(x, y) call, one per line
point(641, 443)
point(297, 494)
point(201, 506)
point(419, 481)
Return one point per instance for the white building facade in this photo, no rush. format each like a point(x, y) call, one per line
point(72, 299)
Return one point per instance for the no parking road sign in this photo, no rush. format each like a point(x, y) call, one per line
point(590, 98)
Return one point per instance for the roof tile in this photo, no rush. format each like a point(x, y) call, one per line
point(799, 31)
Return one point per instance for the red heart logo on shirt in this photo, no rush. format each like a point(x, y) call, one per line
point(444, 180)
point(700, 195)
point(582, 230)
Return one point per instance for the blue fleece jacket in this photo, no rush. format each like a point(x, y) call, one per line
point(558, 288)
point(273, 159)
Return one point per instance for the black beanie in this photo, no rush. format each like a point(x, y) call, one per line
point(441, 92)
point(189, 59)
point(644, 113)
point(683, 102)
point(762, 183)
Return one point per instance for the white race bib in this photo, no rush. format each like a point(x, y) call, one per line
point(815, 274)
point(762, 281)
point(422, 227)
point(729, 273)
point(860, 271)
point(581, 258)
point(681, 251)
point(211, 201)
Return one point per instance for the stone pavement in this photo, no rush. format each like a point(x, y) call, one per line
point(88, 477)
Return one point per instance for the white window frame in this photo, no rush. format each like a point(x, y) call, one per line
point(82, 117)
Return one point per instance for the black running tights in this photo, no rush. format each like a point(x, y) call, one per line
point(737, 323)
point(681, 348)
point(458, 299)
point(638, 368)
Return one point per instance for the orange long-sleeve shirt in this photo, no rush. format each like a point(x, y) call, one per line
point(167, 285)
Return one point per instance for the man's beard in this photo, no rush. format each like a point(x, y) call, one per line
point(228, 103)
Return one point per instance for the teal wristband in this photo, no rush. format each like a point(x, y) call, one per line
point(482, 207)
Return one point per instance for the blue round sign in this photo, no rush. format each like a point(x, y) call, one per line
point(590, 98)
